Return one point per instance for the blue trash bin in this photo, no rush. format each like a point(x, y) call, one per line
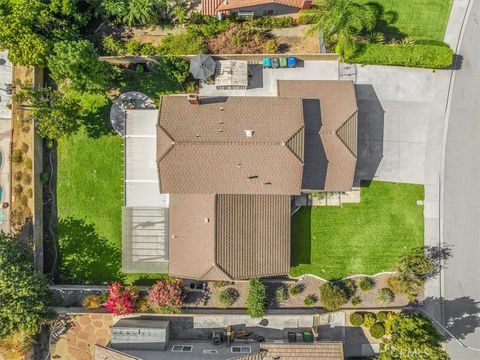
point(292, 61)
point(267, 62)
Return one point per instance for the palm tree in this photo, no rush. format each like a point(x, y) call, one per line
point(341, 20)
point(143, 12)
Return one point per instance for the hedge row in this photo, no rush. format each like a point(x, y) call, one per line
point(424, 56)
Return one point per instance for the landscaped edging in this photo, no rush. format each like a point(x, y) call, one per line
point(345, 278)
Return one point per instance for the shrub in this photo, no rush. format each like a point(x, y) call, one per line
point(143, 305)
point(166, 296)
point(209, 26)
point(306, 17)
point(121, 299)
point(18, 189)
point(409, 40)
point(175, 68)
point(294, 290)
point(188, 43)
point(139, 68)
point(273, 22)
point(44, 177)
point(30, 192)
point(281, 295)
point(27, 179)
point(349, 287)
point(424, 56)
point(356, 301)
point(332, 296)
point(377, 331)
point(388, 322)
point(92, 302)
point(310, 300)
point(257, 298)
point(356, 319)
point(112, 47)
point(17, 155)
point(24, 148)
point(27, 161)
point(369, 319)
point(382, 316)
point(219, 284)
point(226, 297)
point(133, 47)
point(18, 176)
point(366, 283)
point(385, 296)
point(376, 38)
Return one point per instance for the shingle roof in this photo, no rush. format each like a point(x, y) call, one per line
point(229, 236)
point(205, 148)
point(237, 4)
point(319, 350)
point(253, 235)
point(330, 111)
point(209, 7)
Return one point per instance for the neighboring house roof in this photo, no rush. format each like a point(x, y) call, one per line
point(229, 236)
point(238, 4)
point(212, 7)
point(319, 350)
point(235, 145)
point(334, 138)
point(104, 353)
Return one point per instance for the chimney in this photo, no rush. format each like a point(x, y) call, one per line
point(193, 99)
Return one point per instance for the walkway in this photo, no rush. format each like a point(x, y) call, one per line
point(6, 72)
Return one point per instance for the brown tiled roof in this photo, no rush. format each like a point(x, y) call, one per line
point(253, 235)
point(299, 351)
point(237, 4)
point(333, 137)
point(229, 236)
point(205, 148)
point(191, 228)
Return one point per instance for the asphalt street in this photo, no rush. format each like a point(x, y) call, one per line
point(461, 201)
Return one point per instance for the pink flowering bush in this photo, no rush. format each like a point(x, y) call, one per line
point(121, 299)
point(166, 296)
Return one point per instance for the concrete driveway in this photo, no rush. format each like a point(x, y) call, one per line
point(394, 128)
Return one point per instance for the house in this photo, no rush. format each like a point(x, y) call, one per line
point(148, 338)
point(253, 8)
point(230, 166)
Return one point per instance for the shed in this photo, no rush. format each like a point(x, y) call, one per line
point(231, 75)
point(140, 334)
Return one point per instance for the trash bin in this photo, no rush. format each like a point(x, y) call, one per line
point(267, 62)
point(283, 62)
point(292, 61)
point(274, 63)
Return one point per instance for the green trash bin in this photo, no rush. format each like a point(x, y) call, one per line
point(307, 336)
point(283, 62)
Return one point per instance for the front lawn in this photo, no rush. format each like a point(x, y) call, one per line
point(90, 190)
point(422, 19)
point(366, 238)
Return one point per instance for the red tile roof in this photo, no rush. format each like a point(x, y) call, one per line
point(212, 7)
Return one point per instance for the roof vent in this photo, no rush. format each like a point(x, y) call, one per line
point(206, 220)
point(197, 135)
point(249, 133)
point(193, 99)
point(222, 108)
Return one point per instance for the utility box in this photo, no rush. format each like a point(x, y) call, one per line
point(140, 334)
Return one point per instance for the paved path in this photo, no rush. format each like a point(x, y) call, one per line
point(461, 200)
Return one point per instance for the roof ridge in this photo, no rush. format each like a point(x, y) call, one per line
point(294, 147)
point(171, 138)
point(343, 134)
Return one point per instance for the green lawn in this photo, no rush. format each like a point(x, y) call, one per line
point(422, 19)
point(90, 192)
point(366, 238)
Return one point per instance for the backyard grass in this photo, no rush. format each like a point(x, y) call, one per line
point(366, 238)
point(422, 19)
point(90, 192)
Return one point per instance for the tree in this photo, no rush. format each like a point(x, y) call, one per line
point(340, 20)
point(257, 298)
point(31, 28)
point(24, 294)
point(77, 63)
point(121, 299)
point(332, 296)
point(413, 337)
point(413, 270)
point(175, 68)
point(55, 114)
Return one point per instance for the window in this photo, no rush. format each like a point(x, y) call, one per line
point(209, 351)
point(241, 349)
point(268, 12)
point(182, 348)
